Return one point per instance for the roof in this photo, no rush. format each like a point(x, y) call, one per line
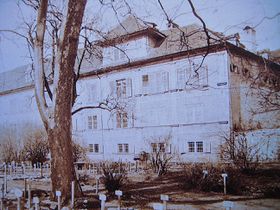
point(190, 40)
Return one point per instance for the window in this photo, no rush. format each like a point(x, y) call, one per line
point(157, 82)
point(122, 120)
point(162, 80)
point(91, 92)
point(90, 147)
point(92, 122)
point(121, 88)
point(145, 80)
point(123, 148)
point(161, 147)
point(154, 147)
point(199, 146)
point(191, 146)
point(197, 76)
point(96, 148)
point(119, 54)
point(158, 147)
point(195, 146)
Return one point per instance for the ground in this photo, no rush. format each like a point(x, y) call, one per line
point(142, 189)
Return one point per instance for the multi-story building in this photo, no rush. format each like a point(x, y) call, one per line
point(173, 90)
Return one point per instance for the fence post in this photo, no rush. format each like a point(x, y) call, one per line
point(225, 182)
point(18, 194)
point(5, 178)
point(2, 196)
point(58, 194)
point(29, 194)
point(72, 193)
point(97, 184)
point(36, 203)
point(119, 194)
point(164, 198)
point(102, 198)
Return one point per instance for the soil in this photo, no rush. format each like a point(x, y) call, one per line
point(141, 190)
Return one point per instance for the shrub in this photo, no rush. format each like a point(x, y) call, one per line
point(194, 179)
point(160, 157)
point(238, 150)
point(114, 176)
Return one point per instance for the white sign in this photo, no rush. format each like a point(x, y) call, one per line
point(164, 197)
point(224, 175)
point(35, 200)
point(58, 193)
point(102, 197)
point(118, 193)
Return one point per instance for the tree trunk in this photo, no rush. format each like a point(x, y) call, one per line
point(57, 118)
point(63, 171)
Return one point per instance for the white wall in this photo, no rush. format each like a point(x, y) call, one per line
point(187, 115)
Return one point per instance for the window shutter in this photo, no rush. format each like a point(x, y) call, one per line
point(207, 147)
point(165, 81)
point(189, 74)
point(152, 83)
point(128, 87)
point(181, 78)
point(113, 88)
point(203, 76)
point(159, 82)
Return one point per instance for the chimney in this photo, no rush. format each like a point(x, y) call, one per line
point(249, 39)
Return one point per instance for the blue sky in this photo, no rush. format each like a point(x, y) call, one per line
point(226, 16)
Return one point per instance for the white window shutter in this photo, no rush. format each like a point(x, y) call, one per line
point(158, 82)
point(128, 87)
point(203, 76)
point(152, 83)
point(113, 88)
point(181, 78)
point(189, 75)
point(165, 81)
point(207, 146)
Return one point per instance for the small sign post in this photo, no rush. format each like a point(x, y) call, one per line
point(58, 194)
point(205, 173)
point(36, 203)
point(119, 194)
point(18, 194)
point(72, 194)
point(224, 175)
point(164, 198)
point(102, 198)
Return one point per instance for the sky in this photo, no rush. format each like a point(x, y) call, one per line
point(226, 16)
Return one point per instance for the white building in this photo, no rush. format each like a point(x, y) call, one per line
point(169, 95)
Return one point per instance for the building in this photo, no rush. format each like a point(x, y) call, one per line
point(170, 89)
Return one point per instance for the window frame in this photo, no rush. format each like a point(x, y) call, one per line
point(92, 122)
point(191, 146)
point(123, 148)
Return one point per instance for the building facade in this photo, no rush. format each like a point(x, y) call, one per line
point(159, 90)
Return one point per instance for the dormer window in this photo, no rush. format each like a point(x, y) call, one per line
point(119, 54)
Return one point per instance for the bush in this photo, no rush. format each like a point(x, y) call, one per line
point(114, 177)
point(238, 150)
point(194, 179)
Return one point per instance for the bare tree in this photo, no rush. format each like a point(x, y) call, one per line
point(237, 149)
point(36, 148)
point(10, 150)
point(57, 117)
point(160, 155)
